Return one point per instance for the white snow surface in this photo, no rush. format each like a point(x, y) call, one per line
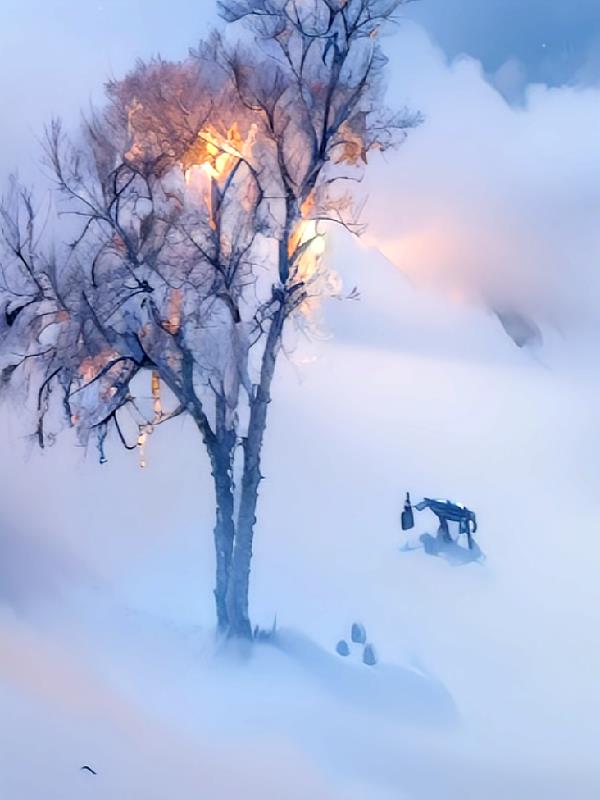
point(487, 681)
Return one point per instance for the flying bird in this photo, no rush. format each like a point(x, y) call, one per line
point(89, 769)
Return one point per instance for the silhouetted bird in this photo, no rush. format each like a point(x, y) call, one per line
point(89, 769)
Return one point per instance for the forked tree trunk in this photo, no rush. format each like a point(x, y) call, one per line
point(239, 578)
point(224, 534)
point(222, 450)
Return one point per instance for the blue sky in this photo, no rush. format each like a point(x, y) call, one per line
point(555, 41)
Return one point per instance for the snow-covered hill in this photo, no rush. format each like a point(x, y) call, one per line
point(487, 681)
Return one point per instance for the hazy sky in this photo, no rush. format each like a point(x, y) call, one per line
point(538, 152)
point(54, 54)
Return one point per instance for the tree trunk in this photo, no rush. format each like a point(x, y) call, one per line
point(239, 579)
point(224, 534)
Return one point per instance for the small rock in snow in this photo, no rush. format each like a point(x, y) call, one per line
point(369, 655)
point(359, 634)
point(342, 648)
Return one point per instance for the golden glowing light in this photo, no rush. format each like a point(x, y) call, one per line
point(156, 396)
point(173, 323)
point(213, 154)
point(146, 430)
point(141, 443)
point(307, 236)
point(92, 366)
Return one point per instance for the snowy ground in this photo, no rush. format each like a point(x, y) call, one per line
point(487, 686)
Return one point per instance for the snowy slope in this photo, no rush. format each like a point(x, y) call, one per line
point(487, 682)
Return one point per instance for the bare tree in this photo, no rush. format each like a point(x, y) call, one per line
point(194, 204)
